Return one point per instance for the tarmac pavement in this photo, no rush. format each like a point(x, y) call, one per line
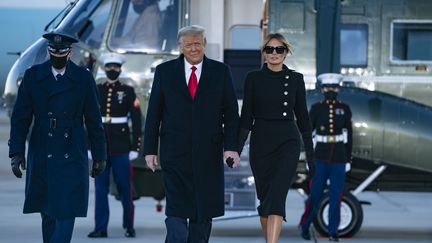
point(394, 217)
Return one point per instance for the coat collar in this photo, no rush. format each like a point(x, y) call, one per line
point(204, 79)
point(45, 76)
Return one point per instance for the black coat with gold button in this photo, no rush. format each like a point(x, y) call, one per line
point(329, 118)
point(118, 101)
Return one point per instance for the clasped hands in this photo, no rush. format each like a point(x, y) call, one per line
point(151, 159)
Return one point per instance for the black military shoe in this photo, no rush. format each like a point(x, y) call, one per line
point(130, 233)
point(97, 234)
point(334, 237)
point(305, 234)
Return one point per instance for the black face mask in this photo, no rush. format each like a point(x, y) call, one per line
point(330, 95)
point(59, 62)
point(112, 75)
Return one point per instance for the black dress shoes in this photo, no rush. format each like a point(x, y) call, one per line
point(130, 233)
point(97, 234)
point(304, 233)
point(334, 237)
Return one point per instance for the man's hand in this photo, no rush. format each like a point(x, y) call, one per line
point(17, 161)
point(98, 167)
point(234, 155)
point(151, 161)
point(133, 155)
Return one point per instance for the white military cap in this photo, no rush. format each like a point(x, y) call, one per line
point(330, 78)
point(113, 58)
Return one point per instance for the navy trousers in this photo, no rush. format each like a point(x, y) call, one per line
point(179, 230)
point(122, 172)
point(57, 230)
point(335, 172)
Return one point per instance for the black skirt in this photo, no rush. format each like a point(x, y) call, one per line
point(274, 154)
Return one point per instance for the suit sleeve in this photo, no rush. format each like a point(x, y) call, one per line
point(303, 121)
point(154, 116)
point(246, 119)
point(93, 121)
point(230, 113)
point(135, 114)
point(22, 116)
point(348, 126)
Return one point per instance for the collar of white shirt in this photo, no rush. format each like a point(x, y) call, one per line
point(188, 70)
point(54, 72)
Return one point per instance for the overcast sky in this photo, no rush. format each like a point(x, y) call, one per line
point(33, 3)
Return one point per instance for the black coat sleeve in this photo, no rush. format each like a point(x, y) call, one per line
point(154, 116)
point(246, 119)
point(303, 121)
point(230, 113)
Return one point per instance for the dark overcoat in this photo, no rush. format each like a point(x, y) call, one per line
point(193, 135)
point(57, 164)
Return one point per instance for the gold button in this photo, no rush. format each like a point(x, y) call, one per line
point(285, 103)
point(108, 105)
point(286, 93)
point(109, 94)
point(285, 84)
point(331, 125)
point(331, 115)
point(109, 99)
point(331, 120)
point(331, 111)
point(108, 111)
point(284, 114)
point(331, 106)
point(331, 130)
point(110, 90)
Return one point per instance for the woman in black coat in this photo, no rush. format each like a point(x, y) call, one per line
point(272, 96)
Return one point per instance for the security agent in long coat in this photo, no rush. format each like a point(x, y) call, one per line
point(57, 170)
point(118, 104)
point(331, 121)
point(194, 127)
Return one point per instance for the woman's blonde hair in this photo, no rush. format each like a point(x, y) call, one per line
point(278, 37)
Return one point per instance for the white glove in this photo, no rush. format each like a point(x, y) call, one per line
point(133, 155)
point(89, 154)
point(347, 167)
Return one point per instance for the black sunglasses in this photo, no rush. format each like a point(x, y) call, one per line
point(270, 49)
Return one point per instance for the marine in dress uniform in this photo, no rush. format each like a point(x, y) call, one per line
point(59, 98)
point(118, 104)
point(331, 121)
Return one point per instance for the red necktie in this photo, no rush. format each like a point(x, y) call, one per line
point(193, 83)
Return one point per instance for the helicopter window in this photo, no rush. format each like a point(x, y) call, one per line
point(410, 41)
point(146, 26)
point(354, 45)
point(75, 21)
point(94, 28)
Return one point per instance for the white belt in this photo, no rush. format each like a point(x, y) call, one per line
point(114, 120)
point(329, 138)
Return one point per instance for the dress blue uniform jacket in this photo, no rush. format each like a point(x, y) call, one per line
point(57, 164)
point(329, 118)
point(193, 135)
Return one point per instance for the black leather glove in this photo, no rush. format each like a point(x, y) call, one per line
point(97, 168)
point(311, 167)
point(17, 161)
point(242, 137)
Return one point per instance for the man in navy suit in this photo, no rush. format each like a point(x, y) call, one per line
point(59, 98)
point(193, 111)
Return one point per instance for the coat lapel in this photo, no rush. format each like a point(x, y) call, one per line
point(181, 81)
point(204, 78)
point(65, 83)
